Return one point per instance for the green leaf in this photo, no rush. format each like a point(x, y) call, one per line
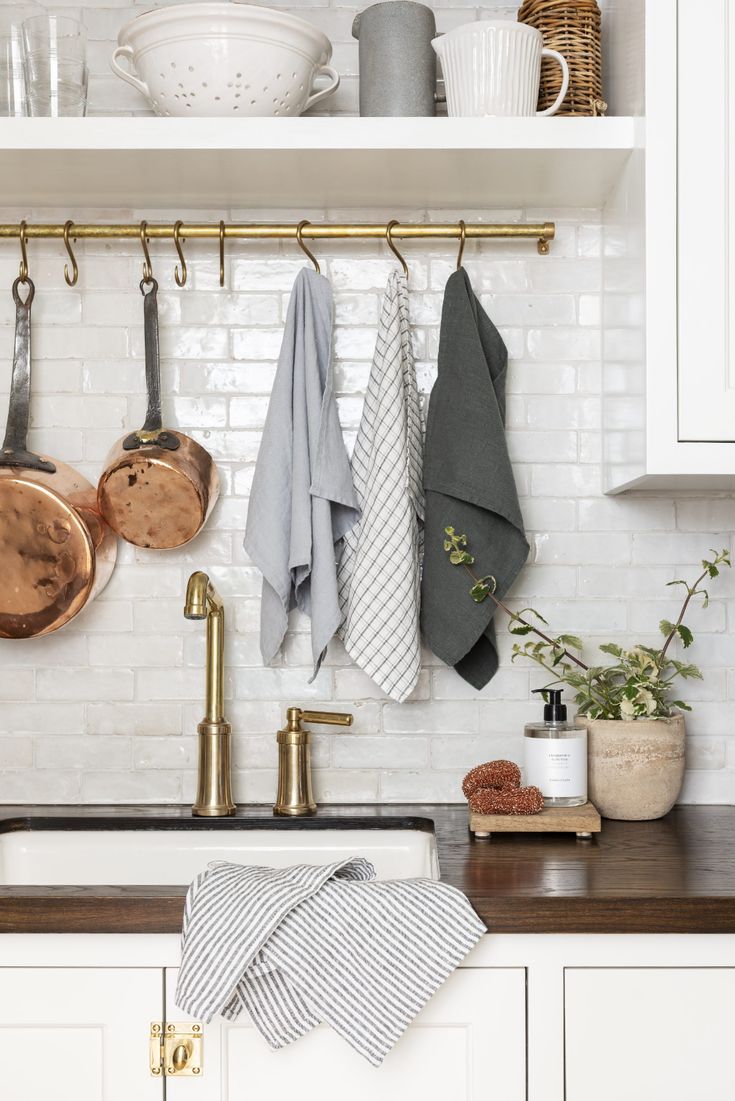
point(533, 611)
point(570, 641)
point(684, 583)
point(523, 630)
point(611, 648)
point(681, 705)
point(666, 626)
point(686, 636)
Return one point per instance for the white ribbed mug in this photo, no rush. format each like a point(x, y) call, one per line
point(493, 67)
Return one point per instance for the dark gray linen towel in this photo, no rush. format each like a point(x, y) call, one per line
point(468, 481)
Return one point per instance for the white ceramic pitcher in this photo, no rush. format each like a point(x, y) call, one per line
point(493, 67)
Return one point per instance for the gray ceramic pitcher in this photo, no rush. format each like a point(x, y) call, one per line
point(397, 61)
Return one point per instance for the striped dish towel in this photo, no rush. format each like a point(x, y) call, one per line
point(303, 945)
point(379, 571)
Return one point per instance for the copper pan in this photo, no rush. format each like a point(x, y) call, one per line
point(56, 551)
point(159, 486)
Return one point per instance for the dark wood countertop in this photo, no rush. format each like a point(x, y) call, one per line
point(676, 875)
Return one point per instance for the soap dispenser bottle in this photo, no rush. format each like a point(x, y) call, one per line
point(556, 754)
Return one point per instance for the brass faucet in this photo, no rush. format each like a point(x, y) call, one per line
point(294, 760)
point(214, 786)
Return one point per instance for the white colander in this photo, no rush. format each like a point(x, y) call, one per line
point(225, 60)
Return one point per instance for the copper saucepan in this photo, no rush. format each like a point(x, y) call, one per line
point(159, 486)
point(56, 551)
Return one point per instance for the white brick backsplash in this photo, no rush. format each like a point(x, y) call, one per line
point(345, 786)
point(83, 752)
point(621, 514)
point(17, 684)
point(466, 752)
point(630, 581)
point(33, 717)
point(84, 684)
point(385, 752)
point(563, 548)
point(432, 717)
point(133, 718)
point(15, 752)
point(107, 710)
point(707, 753)
point(146, 786)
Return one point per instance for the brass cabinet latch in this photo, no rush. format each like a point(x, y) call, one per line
point(176, 1050)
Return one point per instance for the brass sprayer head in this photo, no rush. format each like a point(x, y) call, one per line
point(201, 597)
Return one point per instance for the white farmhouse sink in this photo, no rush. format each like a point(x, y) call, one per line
point(149, 856)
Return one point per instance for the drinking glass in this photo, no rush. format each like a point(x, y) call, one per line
point(55, 66)
point(12, 85)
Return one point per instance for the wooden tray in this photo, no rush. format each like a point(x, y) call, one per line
point(584, 821)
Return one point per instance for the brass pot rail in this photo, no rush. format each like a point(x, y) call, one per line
point(179, 231)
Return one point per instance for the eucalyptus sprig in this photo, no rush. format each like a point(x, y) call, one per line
point(638, 684)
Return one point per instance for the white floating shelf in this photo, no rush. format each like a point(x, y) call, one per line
point(313, 162)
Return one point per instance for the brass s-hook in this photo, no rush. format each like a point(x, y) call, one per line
point(389, 238)
point(462, 239)
point(303, 247)
point(222, 254)
point(147, 266)
point(180, 279)
point(71, 280)
point(23, 270)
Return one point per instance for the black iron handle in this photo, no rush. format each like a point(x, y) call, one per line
point(152, 432)
point(15, 451)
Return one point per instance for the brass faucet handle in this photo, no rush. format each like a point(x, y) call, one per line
point(295, 716)
point(334, 718)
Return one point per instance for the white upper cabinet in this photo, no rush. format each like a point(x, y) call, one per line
point(706, 224)
point(668, 264)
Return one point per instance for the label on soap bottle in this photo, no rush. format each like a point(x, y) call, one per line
point(557, 766)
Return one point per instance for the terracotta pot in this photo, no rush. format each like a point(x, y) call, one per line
point(636, 768)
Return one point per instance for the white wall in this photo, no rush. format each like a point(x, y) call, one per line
point(106, 711)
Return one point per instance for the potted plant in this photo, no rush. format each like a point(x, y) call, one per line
point(635, 724)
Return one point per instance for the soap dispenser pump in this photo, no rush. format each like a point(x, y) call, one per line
point(556, 754)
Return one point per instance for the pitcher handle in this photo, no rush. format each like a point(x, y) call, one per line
point(323, 92)
point(564, 81)
point(127, 53)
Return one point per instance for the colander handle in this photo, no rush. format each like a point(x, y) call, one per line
point(127, 53)
point(323, 92)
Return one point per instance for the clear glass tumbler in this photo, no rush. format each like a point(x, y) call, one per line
point(55, 66)
point(12, 82)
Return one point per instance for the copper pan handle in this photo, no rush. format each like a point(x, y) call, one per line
point(152, 431)
point(15, 451)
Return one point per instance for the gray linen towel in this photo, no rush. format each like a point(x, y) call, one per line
point(379, 571)
point(468, 480)
point(301, 945)
point(302, 500)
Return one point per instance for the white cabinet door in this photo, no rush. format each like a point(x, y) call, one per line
point(467, 1045)
point(649, 1034)
point(706, 204)
point(78, 1034)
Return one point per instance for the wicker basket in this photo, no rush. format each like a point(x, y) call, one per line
point(573, 28)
